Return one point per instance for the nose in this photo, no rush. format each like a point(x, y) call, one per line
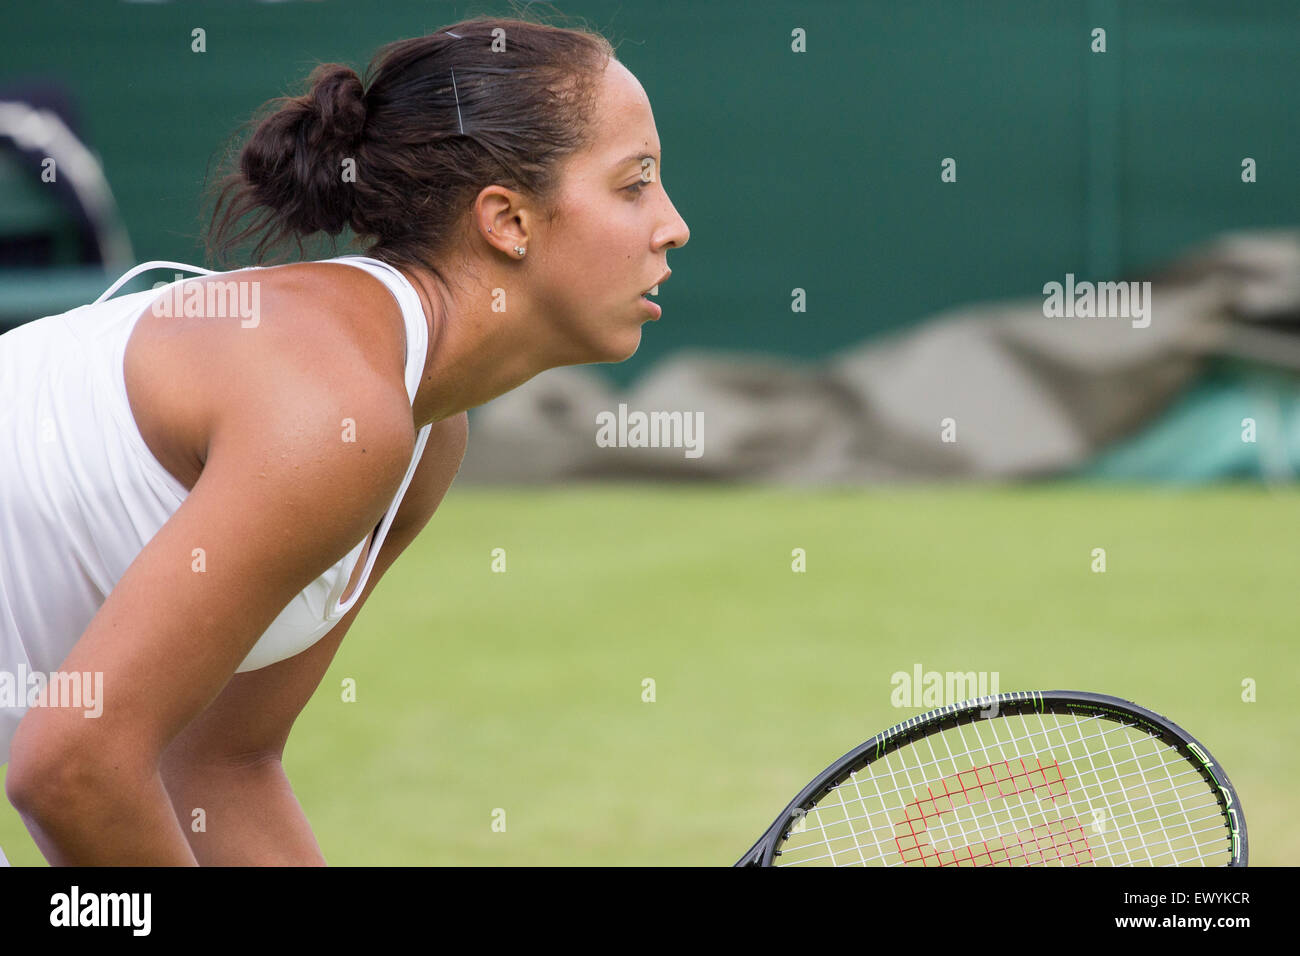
point(676, 233)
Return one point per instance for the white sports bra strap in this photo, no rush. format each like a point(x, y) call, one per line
point(145, 267)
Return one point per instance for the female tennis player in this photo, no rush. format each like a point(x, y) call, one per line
point(196, 502)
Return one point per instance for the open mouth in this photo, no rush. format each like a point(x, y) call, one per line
point(650, 293)
point(651, 305)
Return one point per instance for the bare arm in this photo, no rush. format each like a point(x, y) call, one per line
point(228, 761)
point(280, 497)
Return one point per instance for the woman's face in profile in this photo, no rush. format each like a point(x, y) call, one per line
point(610, 241)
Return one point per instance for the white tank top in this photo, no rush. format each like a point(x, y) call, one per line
point(81, 494)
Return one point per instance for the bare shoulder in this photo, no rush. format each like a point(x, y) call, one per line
point(320, 372)
point(335, 320)
point(317, 325)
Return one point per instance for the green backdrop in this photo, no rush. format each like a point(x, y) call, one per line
point(816, 170)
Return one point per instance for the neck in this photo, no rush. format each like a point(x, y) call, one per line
point(474, 354)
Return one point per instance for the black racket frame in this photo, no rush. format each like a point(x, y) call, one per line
point(764, 852)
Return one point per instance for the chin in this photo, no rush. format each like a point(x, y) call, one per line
point(630, 349)
point(611, 349)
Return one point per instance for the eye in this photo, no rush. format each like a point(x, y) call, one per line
point(637, 186)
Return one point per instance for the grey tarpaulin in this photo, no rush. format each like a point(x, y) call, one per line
point(1028, 395)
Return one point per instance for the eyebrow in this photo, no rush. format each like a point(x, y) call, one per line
point(634, 158)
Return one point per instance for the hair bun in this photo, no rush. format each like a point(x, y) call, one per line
point(337, 101)
point(294, 162)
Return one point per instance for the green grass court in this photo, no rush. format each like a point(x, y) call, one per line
point(523, 690)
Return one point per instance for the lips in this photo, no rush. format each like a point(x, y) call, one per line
point(654, 289)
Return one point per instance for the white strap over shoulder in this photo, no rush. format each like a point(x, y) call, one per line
point(145, 267)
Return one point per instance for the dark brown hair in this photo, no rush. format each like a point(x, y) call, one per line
point(422, 142)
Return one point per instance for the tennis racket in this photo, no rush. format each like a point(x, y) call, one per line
point(1031, 778)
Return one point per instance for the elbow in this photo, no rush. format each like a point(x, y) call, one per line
point(52, 777)
point(39, 786)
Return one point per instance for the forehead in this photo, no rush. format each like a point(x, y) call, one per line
point(624, 123)
point(621, 96)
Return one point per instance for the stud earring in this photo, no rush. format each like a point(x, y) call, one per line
point(520, 250)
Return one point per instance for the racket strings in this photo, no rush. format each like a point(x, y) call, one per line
point(922, 766)
point(1215, 816)
point(1048, 839)
point(1089, 750)
point(1072, 790)
point(1188, 772)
